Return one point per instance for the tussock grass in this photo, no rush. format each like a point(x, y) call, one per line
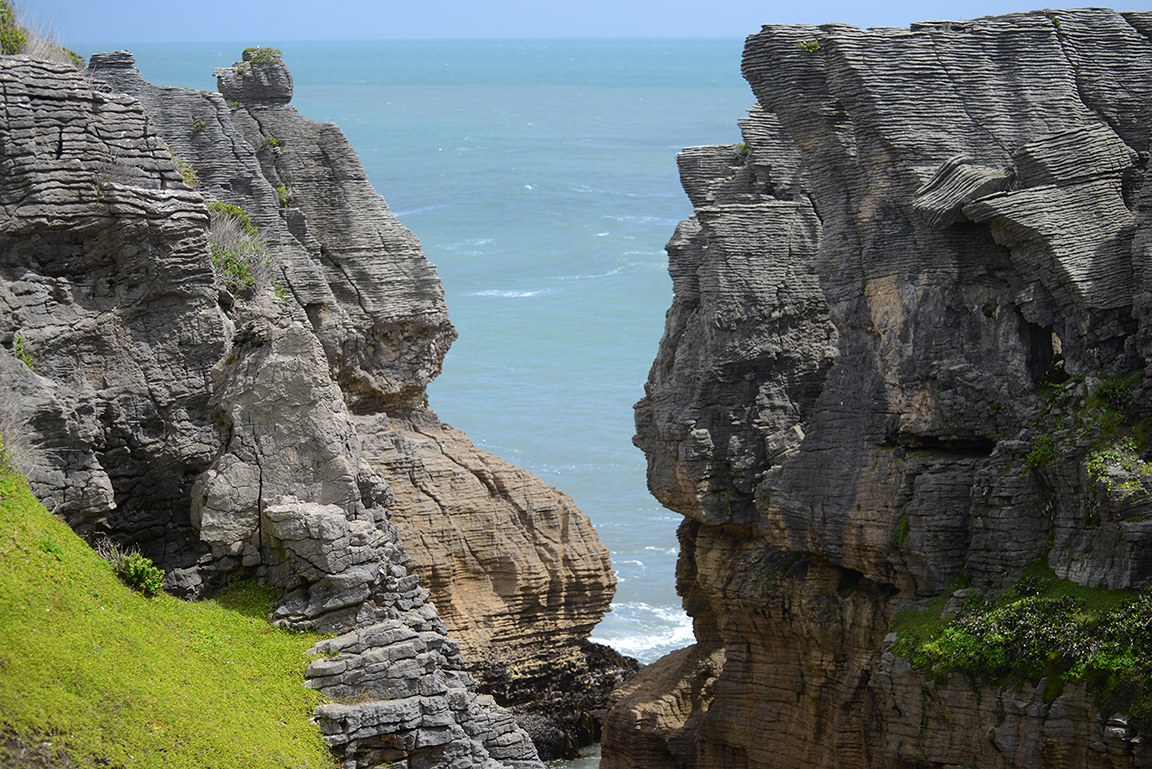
point(118, 678)
point(22, 33)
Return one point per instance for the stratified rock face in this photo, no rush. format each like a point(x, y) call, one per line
point(353, 274)
point(224, 453)
point(106, 290)
point(219, 434)
point(260, 78)
point(510, 560)
point(920, 226)
point(515, 565)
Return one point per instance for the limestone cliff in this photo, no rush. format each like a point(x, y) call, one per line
point(513, 565)
point(278, 434)
point(923, 231)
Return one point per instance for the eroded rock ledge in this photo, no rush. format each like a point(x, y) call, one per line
point(920, 226)
point(286, 438)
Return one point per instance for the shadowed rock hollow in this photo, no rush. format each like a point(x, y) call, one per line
point(922, 231)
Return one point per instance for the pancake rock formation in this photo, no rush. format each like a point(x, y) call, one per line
point(906, 363)
point(274, 423)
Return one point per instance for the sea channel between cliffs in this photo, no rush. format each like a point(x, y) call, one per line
point(900, 386)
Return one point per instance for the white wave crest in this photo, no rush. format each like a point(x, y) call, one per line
point(509, 294)
point(643, 631)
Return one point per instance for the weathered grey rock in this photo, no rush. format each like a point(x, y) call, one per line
point(357, 280)
point(260, 78)
point(286, 432)
point(108, 290)
point(403, 696)
point(921, 226)
point(956, 183)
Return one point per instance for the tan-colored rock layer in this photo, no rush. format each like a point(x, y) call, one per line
point(920, 226)
point(511, 562)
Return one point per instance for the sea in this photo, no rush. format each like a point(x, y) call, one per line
point(540, 177)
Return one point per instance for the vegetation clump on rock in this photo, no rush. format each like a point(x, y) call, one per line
point(1042, 629)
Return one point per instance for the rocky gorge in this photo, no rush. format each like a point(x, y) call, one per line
point(274, 424)
point(904, 374)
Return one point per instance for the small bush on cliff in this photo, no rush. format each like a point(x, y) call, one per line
point(136, 570)
point(262, 56)
point(23, 35)
point(1046, 627)
point(110, 677)
point(185, 169)
point(239, 254)
point(13, 38)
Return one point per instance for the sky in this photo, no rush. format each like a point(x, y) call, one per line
point(81, 22)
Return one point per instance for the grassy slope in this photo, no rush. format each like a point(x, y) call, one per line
point(141, 682)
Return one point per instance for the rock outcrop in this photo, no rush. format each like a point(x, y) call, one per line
point(256, 435)
point(922, 229)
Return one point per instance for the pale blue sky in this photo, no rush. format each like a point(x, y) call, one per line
point(82, 22)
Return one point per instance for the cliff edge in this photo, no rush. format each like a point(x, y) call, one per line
point(905, 363)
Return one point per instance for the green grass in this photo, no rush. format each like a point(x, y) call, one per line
point(125, 680)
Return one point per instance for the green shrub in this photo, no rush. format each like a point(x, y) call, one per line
point(811, 46)
point(185, 169)
point(1045, 627)
point(1042, 453)
point(22, 353)
point(198, 125)
point(239, 255)
point(139, 572)
point(13, 38)
point(1116, 391)
point(284, 194)
point(236, 213)
point(271, 141)
point(262, 56)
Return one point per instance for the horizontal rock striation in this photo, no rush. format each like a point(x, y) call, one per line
point(922, 229)
point(233, 432)
point(107, 297)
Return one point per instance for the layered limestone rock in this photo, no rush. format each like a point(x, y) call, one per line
point(109, 318)
point(162, 423)
point(231, 436)
point(920, 226)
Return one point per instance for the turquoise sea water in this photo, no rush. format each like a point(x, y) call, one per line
point(541, 179)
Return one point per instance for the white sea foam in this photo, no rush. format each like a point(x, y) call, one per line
point(509, 294)
point(419, 210)
point(591, 276)
point(643, 631)
point(658, 220)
